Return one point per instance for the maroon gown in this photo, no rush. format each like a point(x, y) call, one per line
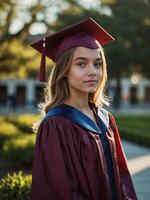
point(69, 162)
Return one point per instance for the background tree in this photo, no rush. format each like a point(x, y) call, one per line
point(131, 26)
point(17, 59)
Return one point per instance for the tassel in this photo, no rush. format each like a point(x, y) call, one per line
point(42, 73)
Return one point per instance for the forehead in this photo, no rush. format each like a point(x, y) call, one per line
point(87, 53)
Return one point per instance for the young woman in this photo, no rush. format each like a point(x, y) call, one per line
point(78, 154)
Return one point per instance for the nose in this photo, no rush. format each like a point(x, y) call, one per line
point(91, 70)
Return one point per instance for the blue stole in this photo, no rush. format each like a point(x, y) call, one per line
point(78, 117)
point(86, 123)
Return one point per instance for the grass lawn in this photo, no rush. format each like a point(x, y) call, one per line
point(134, 128)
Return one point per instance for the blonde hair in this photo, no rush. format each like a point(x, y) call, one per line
point(57, 89)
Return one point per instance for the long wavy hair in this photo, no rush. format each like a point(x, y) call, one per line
point(57, 89)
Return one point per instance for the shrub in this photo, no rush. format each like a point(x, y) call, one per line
point(135, 128)
point(19, 150)
point(25, 122)
point(16, 187)
point(27, 119)
point(11, 124)
point(7, 130)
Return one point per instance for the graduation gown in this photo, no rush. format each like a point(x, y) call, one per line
point(77, 159)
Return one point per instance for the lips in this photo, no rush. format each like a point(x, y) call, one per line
point(91, 81)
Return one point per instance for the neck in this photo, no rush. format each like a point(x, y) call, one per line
point(81, 102)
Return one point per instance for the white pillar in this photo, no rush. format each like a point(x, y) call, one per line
point(30, 92)
point(11, 87)
point(141, 92)
point(125, 91)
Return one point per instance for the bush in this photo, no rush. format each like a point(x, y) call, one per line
point(27, 119)
point(7, 131)
point(19, 150)
point(15, 187)
point(135, 128)
point(25, 122)
point(16, 143)
point(11, 124)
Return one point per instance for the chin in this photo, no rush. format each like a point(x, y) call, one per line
point(86, 90)
point(91, 90)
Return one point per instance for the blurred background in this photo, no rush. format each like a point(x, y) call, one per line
point(128, 61)
point(23, 22)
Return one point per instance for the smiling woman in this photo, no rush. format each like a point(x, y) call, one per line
point(78, 154)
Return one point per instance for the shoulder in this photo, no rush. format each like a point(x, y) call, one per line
point(52, 128)
point(57, 123)
point(59, 129)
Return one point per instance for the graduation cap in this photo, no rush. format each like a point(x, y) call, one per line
point(86, 33)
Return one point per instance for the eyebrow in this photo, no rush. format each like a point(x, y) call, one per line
point(84, 58)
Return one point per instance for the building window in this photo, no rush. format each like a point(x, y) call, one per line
point(3, 94)
point(21, 95)
point(147, 94)
point(133, 95)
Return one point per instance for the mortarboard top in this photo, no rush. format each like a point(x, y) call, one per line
point(86, 33)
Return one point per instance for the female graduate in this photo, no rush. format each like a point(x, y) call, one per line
point(78, 154)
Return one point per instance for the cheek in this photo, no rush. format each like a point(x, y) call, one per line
point(99, 74)
point(75, 76)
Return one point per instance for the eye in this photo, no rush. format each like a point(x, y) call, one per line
point(98, 65)
point(81, 64)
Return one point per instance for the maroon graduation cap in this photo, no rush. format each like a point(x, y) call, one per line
point(86, 33)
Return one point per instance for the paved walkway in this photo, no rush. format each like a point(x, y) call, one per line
point(139, 166)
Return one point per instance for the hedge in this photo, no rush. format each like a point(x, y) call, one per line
point(16, 186)
point(135, 128)
point(19, 150)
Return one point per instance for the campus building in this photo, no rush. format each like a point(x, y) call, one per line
point(29, 92)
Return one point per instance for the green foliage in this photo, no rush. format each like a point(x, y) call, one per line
point(19, 150)
point(135, 128)
point(25, 122)
point(7, 131)
point(16, 187)
point(15, 64)
point(17, 139)
point(17, 58)
point(131, 27)
point(27, 119)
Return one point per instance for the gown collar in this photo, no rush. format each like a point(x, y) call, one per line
point(80, 118)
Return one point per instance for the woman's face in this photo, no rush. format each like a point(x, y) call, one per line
point(85, 71)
